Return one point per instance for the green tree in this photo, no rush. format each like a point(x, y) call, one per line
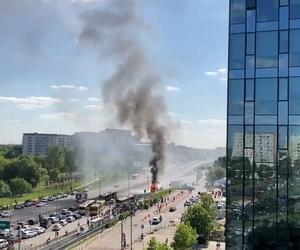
point(19, 186)
point(54, 174)
point(220, 162)
point(156, 245)
point(185, 237)
point(70, 162)
point(54, 161)
point(29, 170)
point(4, 189)
point(208, 203)
point(201, 220)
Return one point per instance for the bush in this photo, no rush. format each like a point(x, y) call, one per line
point(19, 186)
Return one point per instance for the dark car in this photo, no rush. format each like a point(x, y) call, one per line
point(45, 222)
point(28, 203)
point(33, 221)
point(77, 216)
point(73, 208)
point(19, 206)
point(172, 209)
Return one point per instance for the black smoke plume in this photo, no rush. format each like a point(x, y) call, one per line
point(114, 31)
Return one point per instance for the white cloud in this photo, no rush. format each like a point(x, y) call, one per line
point(222, 71)
point(31, 102)
point(93, 99)
point(82, 88)
point(73, 100)
point(62, 115)
point(212, 122)
point(172, 88)
point(68, 86)
point(211, 73)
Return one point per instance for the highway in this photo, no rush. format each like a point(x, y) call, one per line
point(184, 172)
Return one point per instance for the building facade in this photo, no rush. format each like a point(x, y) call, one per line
point(38, 144)
point(263, 133)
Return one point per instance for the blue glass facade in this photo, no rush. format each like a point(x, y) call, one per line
point(263, 133)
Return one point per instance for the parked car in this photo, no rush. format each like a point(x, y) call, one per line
point(64, 211)
point(3, 243)
point(69, 213)
point(77, 216)
point(58, 197)
point(28, 234)
point(51, 198)
point(45, 222)
point(57, 227)
point(44, 200)
point(63, 195)
point(4, 234)
point(63, 222)
point(188, 204)
point(172, 209)
point(33, 221)
point(19, 206)
point(28, 203)
point(40, 204)
point(73, 208)
point(155, 220)
point(6, 213)
point(39, 230)
point(54, 219)
point(70, 219)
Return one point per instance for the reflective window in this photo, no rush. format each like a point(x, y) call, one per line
point(249, 112)
point(284, 2)
point(283, 65)
point(249, 136)
point(267, 10)
point(251, 21)
point(250, 43)
point(294, 96)
point(237, 51)
point(251, 4)
point(265, 143)
point(266, 55)
point(295, 9)
point(294, 144)
point(250, 66)
point(294, 47)
point(282, 140)
point(236, 97)
point(249, 90)
point(266, 96)
point(283, 113)
point(235, 141)
point(238, 11)
point(282, 160)
point(284, 41)
point(284, 18)
point(283, 89)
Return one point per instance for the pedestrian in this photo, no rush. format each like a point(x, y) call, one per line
point(167, 241)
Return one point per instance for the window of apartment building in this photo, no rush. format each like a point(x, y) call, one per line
point(267, 49)
point(266, 96)
point(236, 97)
point(295, 9)
point(294, 96)
point(237, 51)
point(284, 41)
point(267, 10)
point(238, 11)
point(295, 47)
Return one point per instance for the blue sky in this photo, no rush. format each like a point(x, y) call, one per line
point(50, 83)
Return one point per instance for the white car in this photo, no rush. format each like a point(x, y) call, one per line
point(155, 220)
point(3, 243)
point(40, 204)
point(54, 219)
point(188, 204)
point(39, 230)
point(6, 214)
point(63, 222)
point(28, 234)
point(57, 227)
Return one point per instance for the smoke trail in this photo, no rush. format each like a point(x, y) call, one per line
point(114, 30)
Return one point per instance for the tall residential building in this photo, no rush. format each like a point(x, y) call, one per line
point(263, 135)
point(38, 144)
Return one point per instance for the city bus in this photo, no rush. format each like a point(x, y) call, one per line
point(96, 208)
point(84, 207)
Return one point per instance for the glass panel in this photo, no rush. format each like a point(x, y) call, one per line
point(294, 120)
point(284, 2)
point(251, 4)
point(249, 90)
point(294, 145)
point(235, 141)
point(266, 96)
point(238, 11)
point(250, 43)
point(283, 89)
point(267, 10)
point(265, 144)
point(236, 73)
point(237, 51)
point(284, 41)
point(267, 26)
point(294, 23)
point(295, 47)
point(249, 112)
point(251, 22)
point(283, 113)
point(236, 119)
point(249, 66)
point(294, 96)
point(283, 65)
point(295, 9)
point(249, 136)
point(266, 55)
point(282, 162)
point(294, 71)
point(266, 119)
point(284, 18)
point(266, 72)
point(282, 140)
point(236, 97)
point(237, 28)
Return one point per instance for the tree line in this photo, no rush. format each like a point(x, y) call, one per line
point(20, 173)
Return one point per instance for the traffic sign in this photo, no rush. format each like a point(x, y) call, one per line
point(4, 225)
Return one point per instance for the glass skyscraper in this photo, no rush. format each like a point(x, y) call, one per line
point(263, 135)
